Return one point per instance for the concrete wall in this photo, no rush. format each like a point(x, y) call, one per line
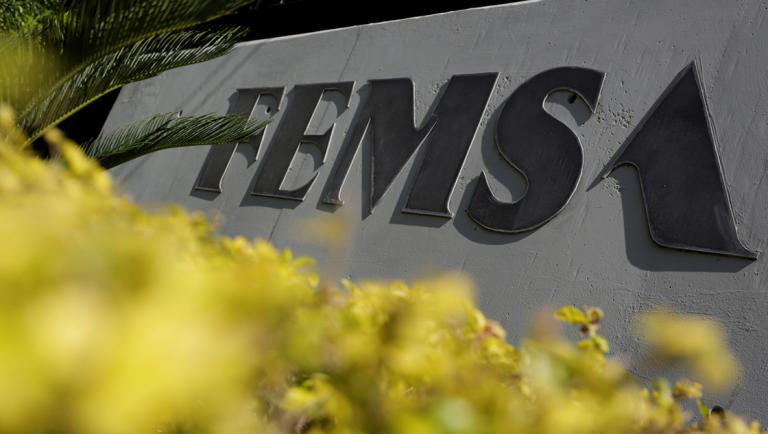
point(598, 250)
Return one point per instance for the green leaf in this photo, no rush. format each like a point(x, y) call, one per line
point(95, 28)
point(595, 343)
point(142, 60)
point(101, 45)
point(168, 130)
point(571, 315)
point(594, 314)
point(703, 409)
point(87, 30)
point(601, 344)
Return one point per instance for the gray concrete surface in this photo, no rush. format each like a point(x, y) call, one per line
point(598, 251)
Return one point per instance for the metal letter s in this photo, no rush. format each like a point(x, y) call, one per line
point(547, 152)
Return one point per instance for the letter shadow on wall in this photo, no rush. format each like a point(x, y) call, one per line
point(644, 253)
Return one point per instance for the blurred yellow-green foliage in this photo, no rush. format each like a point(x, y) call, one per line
point(118, 320)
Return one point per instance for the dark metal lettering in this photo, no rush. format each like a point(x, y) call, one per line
point(218, 158)
point(388, 114)
point(458, 117)
point(545, 151)
point(676, 158)
point(291, 134)
point(672, 149)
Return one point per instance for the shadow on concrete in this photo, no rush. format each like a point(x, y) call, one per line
point(644, 253)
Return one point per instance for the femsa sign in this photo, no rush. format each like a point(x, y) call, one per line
point(673, 150)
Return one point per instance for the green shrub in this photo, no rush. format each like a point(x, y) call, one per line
point(118, 320)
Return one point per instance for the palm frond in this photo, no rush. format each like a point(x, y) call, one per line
point(92, 37)
point(141, 60)
point(169, 130)
point(90, 29)
point(94, 28)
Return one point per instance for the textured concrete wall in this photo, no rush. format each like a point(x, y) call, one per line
point(598, 250)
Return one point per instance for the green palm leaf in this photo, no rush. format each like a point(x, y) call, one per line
point(86, 48)
point(141, 60)
point(169, 130)
point(91, 29)
point(101, 45)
